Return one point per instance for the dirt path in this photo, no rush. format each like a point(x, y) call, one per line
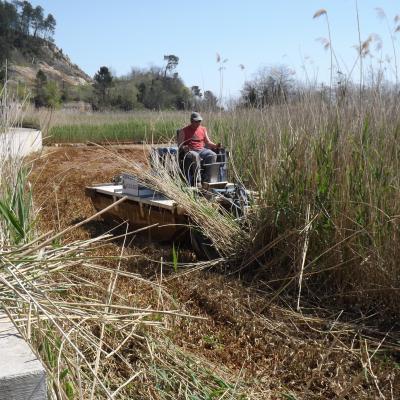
point(277, 351)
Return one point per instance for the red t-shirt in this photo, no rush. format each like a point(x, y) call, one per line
point(194, 138)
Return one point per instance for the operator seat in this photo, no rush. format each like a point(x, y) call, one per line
point(189, 164)
point(194, 170)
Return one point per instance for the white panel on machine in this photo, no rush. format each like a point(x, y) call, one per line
point(132, 187)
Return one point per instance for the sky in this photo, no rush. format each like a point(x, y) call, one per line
point(256, 34)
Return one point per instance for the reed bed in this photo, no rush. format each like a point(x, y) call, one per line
point(332, 169)
point(129, 131)
point(326, 172)
point(81, 127)
point(327, 164)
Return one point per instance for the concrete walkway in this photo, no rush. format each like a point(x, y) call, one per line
point(22, 376)
point(19, 142)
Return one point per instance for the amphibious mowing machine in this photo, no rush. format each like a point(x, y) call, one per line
point(144, 207)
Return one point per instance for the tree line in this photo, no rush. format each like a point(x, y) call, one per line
point(155, 88)
point(23, 27)
point(161, 88)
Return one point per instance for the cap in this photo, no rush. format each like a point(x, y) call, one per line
point(196, 117)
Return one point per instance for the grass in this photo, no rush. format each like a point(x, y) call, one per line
point(15, 209)
point(130, 131)
point(78, 127)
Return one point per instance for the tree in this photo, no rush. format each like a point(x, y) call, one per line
point(196, 91)
point(124, 95)
point(172, 63)
point(148, 88)
point(103, 82)
point(53, 94)
point(32, 19)
point(49, 27)
point(20, 26)
point(156, 91)
point(40, 98)
point(271, 85)
point(249, 94)
point(47, 93)
point(157, 96)
point(26, 17)
point(210, 101)
point(142, 88)
point(8, 27)
point(37, 20)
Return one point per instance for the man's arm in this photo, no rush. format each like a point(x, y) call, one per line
point(211, 145)
point(182, 144)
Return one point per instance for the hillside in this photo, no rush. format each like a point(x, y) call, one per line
point(51, 60)
point(27, 48)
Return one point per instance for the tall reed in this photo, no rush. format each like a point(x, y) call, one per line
point(339, 158)
point(344, 165)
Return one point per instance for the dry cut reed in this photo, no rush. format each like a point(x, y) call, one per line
point(95, 340)
point(218, 225)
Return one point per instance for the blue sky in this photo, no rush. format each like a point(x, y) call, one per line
point(123, 34)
